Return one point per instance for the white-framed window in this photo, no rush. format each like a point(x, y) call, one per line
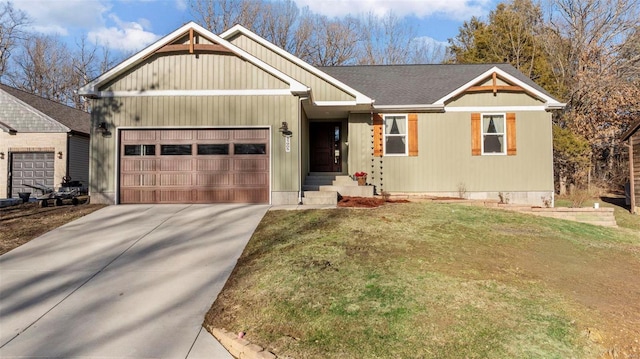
point(494, 129)
point(395, 135)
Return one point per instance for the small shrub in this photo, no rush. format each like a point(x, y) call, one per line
point(462, 190)
point(579, 196)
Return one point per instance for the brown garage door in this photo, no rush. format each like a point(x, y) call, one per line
point(194, 166)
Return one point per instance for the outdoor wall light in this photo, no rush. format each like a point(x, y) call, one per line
point(103, 129)
point(60, 154)
point(284, 129)
point(1, 155)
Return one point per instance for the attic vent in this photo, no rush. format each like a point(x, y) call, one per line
point(194, 47)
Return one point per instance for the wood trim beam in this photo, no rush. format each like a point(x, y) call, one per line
point(495, 83)
point(197, 48)
point(495, 89)
point(191, 41)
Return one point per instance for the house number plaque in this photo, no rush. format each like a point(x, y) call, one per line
point(287, 144)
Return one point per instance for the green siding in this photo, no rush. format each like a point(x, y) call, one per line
point(322, 90)
point(189, 72)
point(216, 111)
point(444, 157)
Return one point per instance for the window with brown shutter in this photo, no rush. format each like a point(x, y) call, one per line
point(491, 132)
point(395, 135)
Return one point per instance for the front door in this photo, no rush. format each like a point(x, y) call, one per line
point(325, 149)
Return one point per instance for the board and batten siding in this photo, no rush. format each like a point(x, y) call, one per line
point(194, 112)
point(188, 72)
point(445, 163)
point(78, 163)
point(322, 90)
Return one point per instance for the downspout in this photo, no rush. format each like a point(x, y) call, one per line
point(632, 187)
point(300, 99)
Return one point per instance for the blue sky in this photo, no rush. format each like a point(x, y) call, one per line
point(130, 25)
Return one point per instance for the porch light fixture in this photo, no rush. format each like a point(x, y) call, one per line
point(1, 155)
point(103, 129)
point(284, 129)
point(60, 154)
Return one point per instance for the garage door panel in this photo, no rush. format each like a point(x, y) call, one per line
point(249, 195)
point(253, 164)
point(222, 164)
point(184, 164)
point(176, 179)
point(223, 135)
point(253, 179)
point(174, 195)
point(195, 166)
point(176, 135)
point(213, 179)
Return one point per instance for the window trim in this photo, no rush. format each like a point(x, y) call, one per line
point(405, 135)
point(504, 134)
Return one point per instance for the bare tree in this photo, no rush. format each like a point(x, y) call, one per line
point(12, 22)
point(43, 67)
point(587, 39)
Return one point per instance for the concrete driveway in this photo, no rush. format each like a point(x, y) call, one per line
point(128, 281)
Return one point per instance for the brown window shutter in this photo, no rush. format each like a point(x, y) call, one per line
point(476, 133)
point(413, 134)
point(377, 134)
point(511, 134)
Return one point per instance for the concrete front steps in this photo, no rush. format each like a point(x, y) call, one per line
point(324, 189)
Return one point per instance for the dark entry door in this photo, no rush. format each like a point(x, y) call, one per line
point(325, 147)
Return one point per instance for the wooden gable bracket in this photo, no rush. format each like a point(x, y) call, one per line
point(495, 87)
point(193, 47)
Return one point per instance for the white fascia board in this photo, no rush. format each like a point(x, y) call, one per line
point(410, 108)
point(556, 106)
point(500, 109)
point(360, 98)
point(91, 88)
point(161, 93)
point(549, 100)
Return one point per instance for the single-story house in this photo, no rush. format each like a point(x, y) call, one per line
point(201, 118)
point(632, 137)
point(42, 142)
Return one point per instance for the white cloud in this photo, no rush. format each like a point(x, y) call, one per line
point(125, 36)
point(181, 5)
point(453, 9)
point(57, 17)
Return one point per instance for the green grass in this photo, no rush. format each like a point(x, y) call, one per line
point(422, 281)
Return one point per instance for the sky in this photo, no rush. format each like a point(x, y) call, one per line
point(130, 25)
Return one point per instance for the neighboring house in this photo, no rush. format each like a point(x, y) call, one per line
point(632, 136)
point(200, 118)
point(41, 143)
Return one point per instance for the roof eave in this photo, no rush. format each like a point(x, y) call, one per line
point(631, 131)
point(410, 108)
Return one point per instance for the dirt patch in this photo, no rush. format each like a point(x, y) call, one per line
point(366, 202)
point(21, 223)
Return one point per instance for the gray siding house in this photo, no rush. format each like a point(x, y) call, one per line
point(41, 142)
point(204, 118)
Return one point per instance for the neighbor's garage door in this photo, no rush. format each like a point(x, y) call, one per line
point(194, 166)
point(31, 168)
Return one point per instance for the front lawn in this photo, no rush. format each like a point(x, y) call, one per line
point(424, 280)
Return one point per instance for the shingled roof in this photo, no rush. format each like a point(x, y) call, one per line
point(415, 84)
point(75, 120)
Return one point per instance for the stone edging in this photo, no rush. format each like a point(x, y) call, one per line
point(239, 347)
